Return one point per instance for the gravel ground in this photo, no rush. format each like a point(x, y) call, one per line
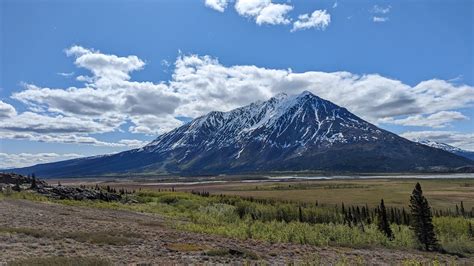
point(147, 240)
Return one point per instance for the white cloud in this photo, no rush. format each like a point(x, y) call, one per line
point(33, 122)
point(436, 120)
point(201, 84)
point(380, 19)
point(205, 85)
point(81, 139)
point(382, 12)
point(319, 19)
point(153, 125)
point(381, 9)
point(66, 74)
point(13, 160)
point(457, 139)
point(218, 5)
point(335, 5)
point(6, 110)
point(133, 143)
point(274, 14)
point(250, 8)
point(264, 11)
point(107, 69)
point(108, 97)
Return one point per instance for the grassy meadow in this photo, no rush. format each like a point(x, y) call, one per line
point(306, 213)
point(441, 193)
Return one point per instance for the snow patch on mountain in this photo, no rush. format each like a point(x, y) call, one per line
point(283, 121)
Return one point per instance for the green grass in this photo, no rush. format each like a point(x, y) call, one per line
point(274, 221)
point(441, 193)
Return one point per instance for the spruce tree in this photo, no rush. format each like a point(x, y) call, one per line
point(470, 231)
point(422, 222)
point(33, 183)
point(300, 214)
point(383, 224)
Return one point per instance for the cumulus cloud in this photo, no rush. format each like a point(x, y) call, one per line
point(6, 110)
point(218, 5)
point(274, 14)
point(133, 143)
point(81, 139)
point(457, 139)
point(33, 122)
point(200, 84)
point(205, 85)
point(106, 69)
point(436, 120)
point(150, 124)
point(13, 160)
point(108, 97)
point(264, 11)
point(319, 19)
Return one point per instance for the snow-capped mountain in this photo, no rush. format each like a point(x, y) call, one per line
point(285, 133)
point(290, 122)
point(448, 148)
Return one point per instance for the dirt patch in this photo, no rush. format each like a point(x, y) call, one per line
point(57, 232)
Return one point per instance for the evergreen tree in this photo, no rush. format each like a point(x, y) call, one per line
point(422, 222)
point(300, 214)
point(33, 183)
point(383, 224)
point(470, 232)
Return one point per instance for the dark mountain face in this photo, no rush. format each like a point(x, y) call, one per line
point(290, 133)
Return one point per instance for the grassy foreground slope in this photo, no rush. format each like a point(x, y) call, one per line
point(284, 221)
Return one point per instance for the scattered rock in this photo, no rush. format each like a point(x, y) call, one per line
point(19, 182)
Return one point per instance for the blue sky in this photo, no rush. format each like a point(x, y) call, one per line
point(407, 66)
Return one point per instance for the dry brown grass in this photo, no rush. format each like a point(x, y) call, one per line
point(61, 261)
point(100, 237)
point(186, 247)
point(442, 193)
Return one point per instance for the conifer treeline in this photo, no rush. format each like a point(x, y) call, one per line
point(286, 210)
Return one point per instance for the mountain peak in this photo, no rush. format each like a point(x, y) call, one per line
point(285, 133)
point(306, 93)
point(280, 95)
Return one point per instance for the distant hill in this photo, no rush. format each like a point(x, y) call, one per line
point(285, 133)
point(448, 148)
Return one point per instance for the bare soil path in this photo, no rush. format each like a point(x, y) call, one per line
point(130, 238)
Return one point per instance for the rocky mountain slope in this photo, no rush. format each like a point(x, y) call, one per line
point(285, 133)
point(448, 148)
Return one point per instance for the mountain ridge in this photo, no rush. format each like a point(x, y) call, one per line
point(447, 147)
point(285, 133)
